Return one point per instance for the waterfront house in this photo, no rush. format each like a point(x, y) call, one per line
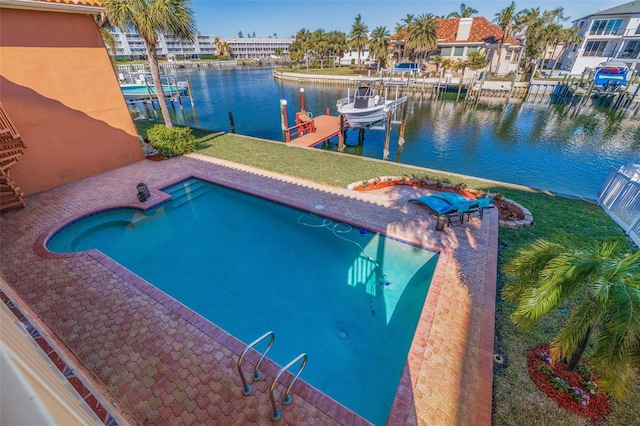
point(610, 34)
point(457, 37)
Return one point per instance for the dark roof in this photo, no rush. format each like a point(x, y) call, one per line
point(631, 8)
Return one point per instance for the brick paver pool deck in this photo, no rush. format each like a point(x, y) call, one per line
point(150, 360)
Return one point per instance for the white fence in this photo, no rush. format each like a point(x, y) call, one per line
point(620, 198)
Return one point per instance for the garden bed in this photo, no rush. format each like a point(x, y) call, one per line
point(575, 391)
point(510, 213)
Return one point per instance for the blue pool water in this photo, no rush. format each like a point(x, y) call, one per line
point(550, 147)
point(347, 297)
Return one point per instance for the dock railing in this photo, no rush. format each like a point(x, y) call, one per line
point(304, 124)
point(620, 198)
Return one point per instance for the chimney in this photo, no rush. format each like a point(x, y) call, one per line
point(464, 28)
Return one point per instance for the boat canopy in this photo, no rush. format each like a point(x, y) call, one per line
point(611, 73)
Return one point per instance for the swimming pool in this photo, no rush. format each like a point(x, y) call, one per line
point(347, 297)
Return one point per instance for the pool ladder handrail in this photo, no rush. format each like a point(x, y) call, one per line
point(286, 398)
point(246, 388)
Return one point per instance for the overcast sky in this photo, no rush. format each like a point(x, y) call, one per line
point(286, 17)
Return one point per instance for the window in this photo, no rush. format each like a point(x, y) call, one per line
point(472, 49)
point(632, 50)
point(594, 48)
point(508, 54)
point(606, 26)
point(446, 51)
point(458, 51)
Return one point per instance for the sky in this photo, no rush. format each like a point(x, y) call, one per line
point(284, 18)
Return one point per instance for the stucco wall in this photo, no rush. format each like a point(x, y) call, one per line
point(58, 87)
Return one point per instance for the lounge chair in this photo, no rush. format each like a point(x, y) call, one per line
point(439, 208)
point(483, 204)
point(437, 205)
point(462, 210)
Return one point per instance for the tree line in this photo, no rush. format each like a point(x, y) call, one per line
point(416, 39)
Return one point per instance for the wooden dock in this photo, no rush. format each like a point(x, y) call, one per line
point(327, 126)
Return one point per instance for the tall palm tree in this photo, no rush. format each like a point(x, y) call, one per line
point(358, 37)
point(320, 45)
point(530, 22)
point(422, 34)
point(465, 12)
point(338, 45)
point(379, 45)
point(568, 37)
point(505, 19)
point(552, 35)
point(149, 17)
point(299, 48)
point(602, 284)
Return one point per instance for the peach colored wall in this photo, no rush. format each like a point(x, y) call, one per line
point(58, 87)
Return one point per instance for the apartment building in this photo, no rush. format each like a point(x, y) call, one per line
point(258, 47)
point(610, 34)
point(131, 44)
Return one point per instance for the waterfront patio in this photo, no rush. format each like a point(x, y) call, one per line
point(144, 358)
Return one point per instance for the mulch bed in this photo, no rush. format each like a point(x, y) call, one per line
point(156, 157)
point(598, 404)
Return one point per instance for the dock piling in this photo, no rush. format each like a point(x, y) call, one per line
point(233, 126)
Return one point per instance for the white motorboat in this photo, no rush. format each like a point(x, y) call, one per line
point(365, 108)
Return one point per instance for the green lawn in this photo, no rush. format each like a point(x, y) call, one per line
point(517, 401)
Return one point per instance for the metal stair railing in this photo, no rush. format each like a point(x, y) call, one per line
point(246, 388)
point(286, 397)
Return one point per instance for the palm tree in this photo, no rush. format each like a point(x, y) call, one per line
point(319, 45)
point(505, 19)
point(148, 17)
point(568, 37)
point(552, 35)
point(379, 45)
point(358, 36)
point(337, 44)
point(465, 12)
point(299, 49)
point(422, 34)
point(602, 284)
point(529, 22)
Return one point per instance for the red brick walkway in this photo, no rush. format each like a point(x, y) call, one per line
point(160, 363)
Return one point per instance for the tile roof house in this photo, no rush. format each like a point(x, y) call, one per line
point(59, 89)
point(457, 37)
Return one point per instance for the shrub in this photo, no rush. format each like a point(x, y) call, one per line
point(171, 141)
point(559, 384)
point(134, 112)
point(545, 368)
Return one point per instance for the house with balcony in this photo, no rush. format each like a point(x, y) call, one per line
point(610, 34)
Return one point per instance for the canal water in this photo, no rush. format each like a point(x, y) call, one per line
point(557, 148)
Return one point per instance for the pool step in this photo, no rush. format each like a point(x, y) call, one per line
point(188, 191)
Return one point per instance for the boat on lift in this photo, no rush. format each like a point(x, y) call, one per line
point(611, 73)
point(365, 108)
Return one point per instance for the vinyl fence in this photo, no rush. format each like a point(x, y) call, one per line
point(620, 198)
